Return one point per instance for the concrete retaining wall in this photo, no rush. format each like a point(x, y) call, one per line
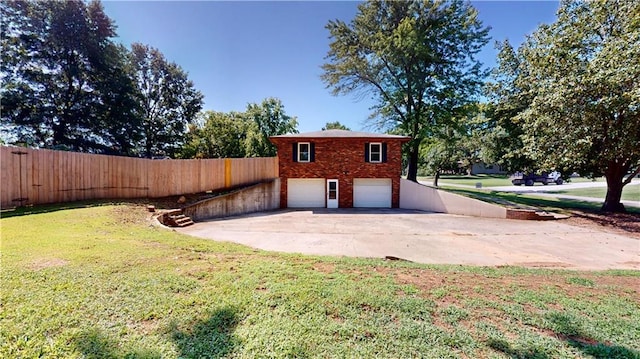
point(417, 196)
point(261, 197)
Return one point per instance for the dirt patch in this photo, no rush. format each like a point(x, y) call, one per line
point(43, 263)
point(627, 224)
point(324, 267)
point(543, 265)
point(455, 287)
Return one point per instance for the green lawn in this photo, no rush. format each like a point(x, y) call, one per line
point(629, 193)
point(486, 180)
point(490, 180)
point(100, 282)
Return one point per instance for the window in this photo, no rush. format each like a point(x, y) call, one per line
point(304, 152)
point(375, 152)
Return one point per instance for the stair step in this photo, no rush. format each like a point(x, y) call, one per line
point(183, 220)
point(176, 218)
point(185, 223)
point(545, 216)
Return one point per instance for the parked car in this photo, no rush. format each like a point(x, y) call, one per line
point(529, 179)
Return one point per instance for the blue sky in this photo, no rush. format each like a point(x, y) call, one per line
point(240, 52)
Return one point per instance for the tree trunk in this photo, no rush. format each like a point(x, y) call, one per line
point(436, 178)
point(615, 176)
point(412, 174)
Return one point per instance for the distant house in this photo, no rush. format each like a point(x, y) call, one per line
point(484, 168)
point(339, 168)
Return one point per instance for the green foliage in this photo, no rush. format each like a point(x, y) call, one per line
point(220, 135)
point(335, 126)
point(267, 119)
point(239, 134)
point(105, 284)
point(169, 100)
point(65, 84)
point(415, 57)
point(507, 101)
point(571, 88)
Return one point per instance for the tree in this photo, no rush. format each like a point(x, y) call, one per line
point(415, 57)
point(238, 134)
point(169, 100)
point(438, 153)
point(580, 77)
point(335, 126)
point(64, 83)
point(507, 98)
point(219, 135)
point(267, 119)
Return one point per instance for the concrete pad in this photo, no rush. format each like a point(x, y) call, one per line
point(426, 238)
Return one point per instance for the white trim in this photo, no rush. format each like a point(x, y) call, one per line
point(308, 151)
point(379, 152)
point(332, 203)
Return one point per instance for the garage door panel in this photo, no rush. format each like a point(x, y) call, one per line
point(305, 193)
point(372, 192)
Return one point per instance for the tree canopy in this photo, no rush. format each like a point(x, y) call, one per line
point(64, 82)
point(335, 126)
point(415, 57)
point(574, 90)
point(169, 100)
point(239, 134)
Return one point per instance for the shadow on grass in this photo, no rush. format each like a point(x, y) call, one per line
point(211, 338)
point(93, 344)
point(46, 208)
point(567, 329)
point(504, 347)
point(518, 199)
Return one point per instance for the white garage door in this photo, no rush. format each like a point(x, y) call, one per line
point(369, 192)
point(305, 193)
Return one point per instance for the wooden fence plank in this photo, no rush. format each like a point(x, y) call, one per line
point(47, 176)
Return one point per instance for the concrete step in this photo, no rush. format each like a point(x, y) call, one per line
point(179, 220)
point(545, 216)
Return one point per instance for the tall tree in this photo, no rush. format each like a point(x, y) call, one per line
point(60, 71)
point(507, 98)
point(335, 126)
point(582, 74)
point(415, 57)
point(169, 100)
point(267, 119)
point(217, 135)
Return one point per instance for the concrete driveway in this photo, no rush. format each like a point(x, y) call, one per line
point(426, 238)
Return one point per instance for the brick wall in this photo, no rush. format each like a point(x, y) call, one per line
point(342, 159)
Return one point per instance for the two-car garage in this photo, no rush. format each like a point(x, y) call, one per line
point(312, 193)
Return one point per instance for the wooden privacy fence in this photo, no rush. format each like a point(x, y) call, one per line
point(35, 176)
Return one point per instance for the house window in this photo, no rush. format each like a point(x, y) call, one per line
point(304, 152)
point(375, 152)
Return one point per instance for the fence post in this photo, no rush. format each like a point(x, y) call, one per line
point(227, 173)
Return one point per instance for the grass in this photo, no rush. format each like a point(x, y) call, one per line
point(100, 282)
point(486, 180)
point(489, 180)
point(532, 200)
point(629, 192)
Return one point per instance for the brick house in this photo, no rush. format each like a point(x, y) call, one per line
point(338, 168)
